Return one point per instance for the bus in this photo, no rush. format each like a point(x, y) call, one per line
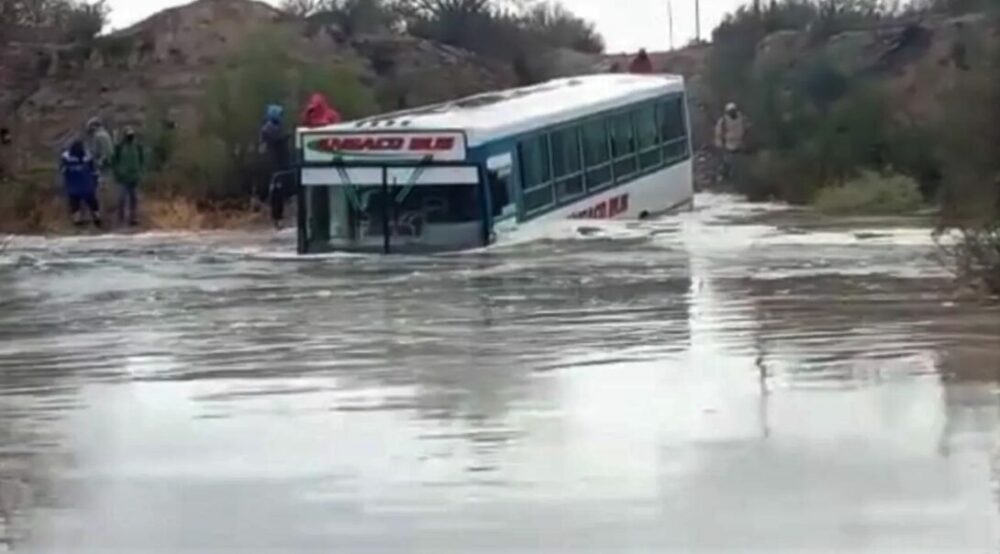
point(496, 166)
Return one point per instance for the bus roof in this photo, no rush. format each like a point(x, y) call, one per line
point(493, 115)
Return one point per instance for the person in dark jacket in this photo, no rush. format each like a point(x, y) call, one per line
point(79, 174)
point(641, 63)
point(274, 142)
point(129, 163)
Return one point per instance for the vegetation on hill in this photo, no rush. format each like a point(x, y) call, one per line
point(511, 33)
point(830, 124)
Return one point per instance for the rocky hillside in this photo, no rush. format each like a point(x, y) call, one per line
point(49, 89)
point(916, 60)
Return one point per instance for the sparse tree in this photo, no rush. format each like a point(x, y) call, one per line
point(77, 19)
point(560, 28)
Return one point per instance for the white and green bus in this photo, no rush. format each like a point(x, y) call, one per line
point(496, 166)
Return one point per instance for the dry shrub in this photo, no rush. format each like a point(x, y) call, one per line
point(974, 256)
point(177, 213)
point(28, 205)
point(174, 213)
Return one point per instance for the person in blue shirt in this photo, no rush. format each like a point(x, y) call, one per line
point(79, 174)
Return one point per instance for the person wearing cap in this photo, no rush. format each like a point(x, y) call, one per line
point(79, 174)
point(730, 136)
point(129, 163)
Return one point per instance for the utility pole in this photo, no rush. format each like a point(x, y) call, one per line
point(670, 19)
point(697, 20)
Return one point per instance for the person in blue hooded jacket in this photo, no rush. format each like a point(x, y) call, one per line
point(79, 174)
point(274, 142)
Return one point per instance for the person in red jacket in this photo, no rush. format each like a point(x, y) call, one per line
point(641, 63)
point(318, 112)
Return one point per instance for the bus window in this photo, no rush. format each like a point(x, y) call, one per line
point(650, 153)
point(566, 163)
point(673, 131)
point(623, 145)
point(535, 168)
point(596, 155)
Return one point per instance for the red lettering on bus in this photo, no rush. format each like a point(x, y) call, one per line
point(443, 144)
point(618, 205)
point(604, 210)
point(374, 143)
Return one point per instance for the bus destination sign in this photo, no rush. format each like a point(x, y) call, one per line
point(392, 146)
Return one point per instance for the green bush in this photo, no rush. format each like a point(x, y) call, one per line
point(811, 135)
point(871, 193)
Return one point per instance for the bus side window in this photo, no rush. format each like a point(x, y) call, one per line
point(498, 179)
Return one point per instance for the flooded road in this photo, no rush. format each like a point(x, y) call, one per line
point(734, 379)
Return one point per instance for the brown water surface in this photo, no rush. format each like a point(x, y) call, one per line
point(738, 379)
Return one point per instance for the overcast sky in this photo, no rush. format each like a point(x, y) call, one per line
point(626, 24)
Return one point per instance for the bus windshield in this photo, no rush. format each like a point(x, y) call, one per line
point(394, 209)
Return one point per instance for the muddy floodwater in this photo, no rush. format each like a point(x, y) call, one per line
point(739, 378)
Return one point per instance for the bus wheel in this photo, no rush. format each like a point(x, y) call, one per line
point(643, 215)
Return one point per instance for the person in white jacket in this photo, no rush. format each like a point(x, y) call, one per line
point(730, 136)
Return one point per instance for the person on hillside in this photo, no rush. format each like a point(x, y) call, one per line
point(274, 143)
point(641, 64)
point(99, 146)
point(129, 163)
point(730, 137)
point(79, 174)
point(319, 113)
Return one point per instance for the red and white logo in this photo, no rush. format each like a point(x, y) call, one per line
point(440, 146)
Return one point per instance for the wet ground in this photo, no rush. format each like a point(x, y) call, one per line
point(734, 379)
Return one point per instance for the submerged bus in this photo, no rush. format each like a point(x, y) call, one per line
point(495, 166)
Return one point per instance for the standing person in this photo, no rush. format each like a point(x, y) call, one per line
point(100, 146)
point(129, 163)
point(274, 142)
point(730, 137)
point(641, 63)
point(79, 174)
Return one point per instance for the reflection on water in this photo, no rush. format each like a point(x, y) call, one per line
point(798, 384)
